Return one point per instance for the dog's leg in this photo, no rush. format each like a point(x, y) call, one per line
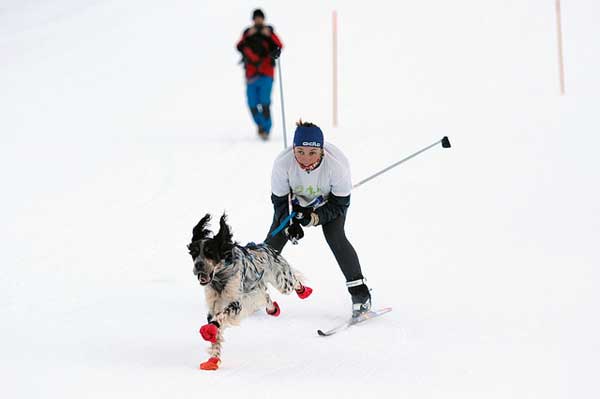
point(213, 332)
point(233, 309)
point(283, 278)
point(214, 361)
point(269, 301)
point(272, 306)
point(287, 280)
point(215, 347)
point(220, 320)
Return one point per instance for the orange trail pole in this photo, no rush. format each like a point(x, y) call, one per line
point(335, 74)
point(561, 65)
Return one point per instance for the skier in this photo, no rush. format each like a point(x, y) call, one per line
point(317, 177)
point(259, 47)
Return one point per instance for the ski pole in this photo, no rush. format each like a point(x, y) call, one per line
point(445, 144)
point(282, 105)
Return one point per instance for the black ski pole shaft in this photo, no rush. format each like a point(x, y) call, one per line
point(444, 141)
point(282, 105)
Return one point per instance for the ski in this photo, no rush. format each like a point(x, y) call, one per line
point(354, 320)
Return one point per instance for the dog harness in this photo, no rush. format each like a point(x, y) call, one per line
point(252, 267)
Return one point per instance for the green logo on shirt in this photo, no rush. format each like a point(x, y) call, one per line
point(309, 190)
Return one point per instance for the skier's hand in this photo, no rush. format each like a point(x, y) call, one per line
point(251, 55)
point(294, 232)
point(266, 31)
point(251, 31)
point(300, 211)
point(276, 53)
point(305, 216)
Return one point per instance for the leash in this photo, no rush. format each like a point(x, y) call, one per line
point(283, 224)
point(286, 221)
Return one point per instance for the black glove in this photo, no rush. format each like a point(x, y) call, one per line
point(303, 215)
point(294, 232)
point(276, 53)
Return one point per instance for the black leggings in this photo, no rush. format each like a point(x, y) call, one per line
point(344, 252)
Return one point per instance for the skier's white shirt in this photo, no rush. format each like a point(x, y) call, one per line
point(332, 176)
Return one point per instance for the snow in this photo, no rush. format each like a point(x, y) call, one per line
point(124, 122)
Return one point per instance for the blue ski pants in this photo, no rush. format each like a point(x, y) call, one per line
point(258, 91)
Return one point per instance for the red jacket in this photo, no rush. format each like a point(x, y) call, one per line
point(256, 52)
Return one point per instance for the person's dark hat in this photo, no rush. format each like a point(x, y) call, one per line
point(258, 13)
point(308, 136)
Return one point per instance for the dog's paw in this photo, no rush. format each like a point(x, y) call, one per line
point(304, 292)
point(209, 332)
point(210, 364)
point(276, 311)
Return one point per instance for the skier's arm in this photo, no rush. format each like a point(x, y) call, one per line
point(276, 41)
point(250, 55)
point(333, 208)
point(339, 199)
point(280, 189)
point(247, 53)
point(240, 44)
point(280, 209)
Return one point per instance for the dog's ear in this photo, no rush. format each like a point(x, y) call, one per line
point(224, 236)
point(200, 231)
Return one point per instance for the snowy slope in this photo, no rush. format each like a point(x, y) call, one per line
point(124, 122)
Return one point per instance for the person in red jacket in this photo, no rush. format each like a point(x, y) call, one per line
point(259, 47)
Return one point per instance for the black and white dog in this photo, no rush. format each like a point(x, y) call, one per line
point(235, 278)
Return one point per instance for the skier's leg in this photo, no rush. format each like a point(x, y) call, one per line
point(348, 261)
point(278, 241)
point(343, 251)
point(267, 123)
point(264, 94)
point(252, 90)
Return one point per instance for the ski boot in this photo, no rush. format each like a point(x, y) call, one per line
point(263, 134)
point(361, 297)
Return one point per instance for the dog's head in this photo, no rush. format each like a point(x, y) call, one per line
point(209, 252)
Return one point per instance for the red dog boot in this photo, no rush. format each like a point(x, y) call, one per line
point(210, 364)
point(209, 331)
point(276, 311)
point(304, 292)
